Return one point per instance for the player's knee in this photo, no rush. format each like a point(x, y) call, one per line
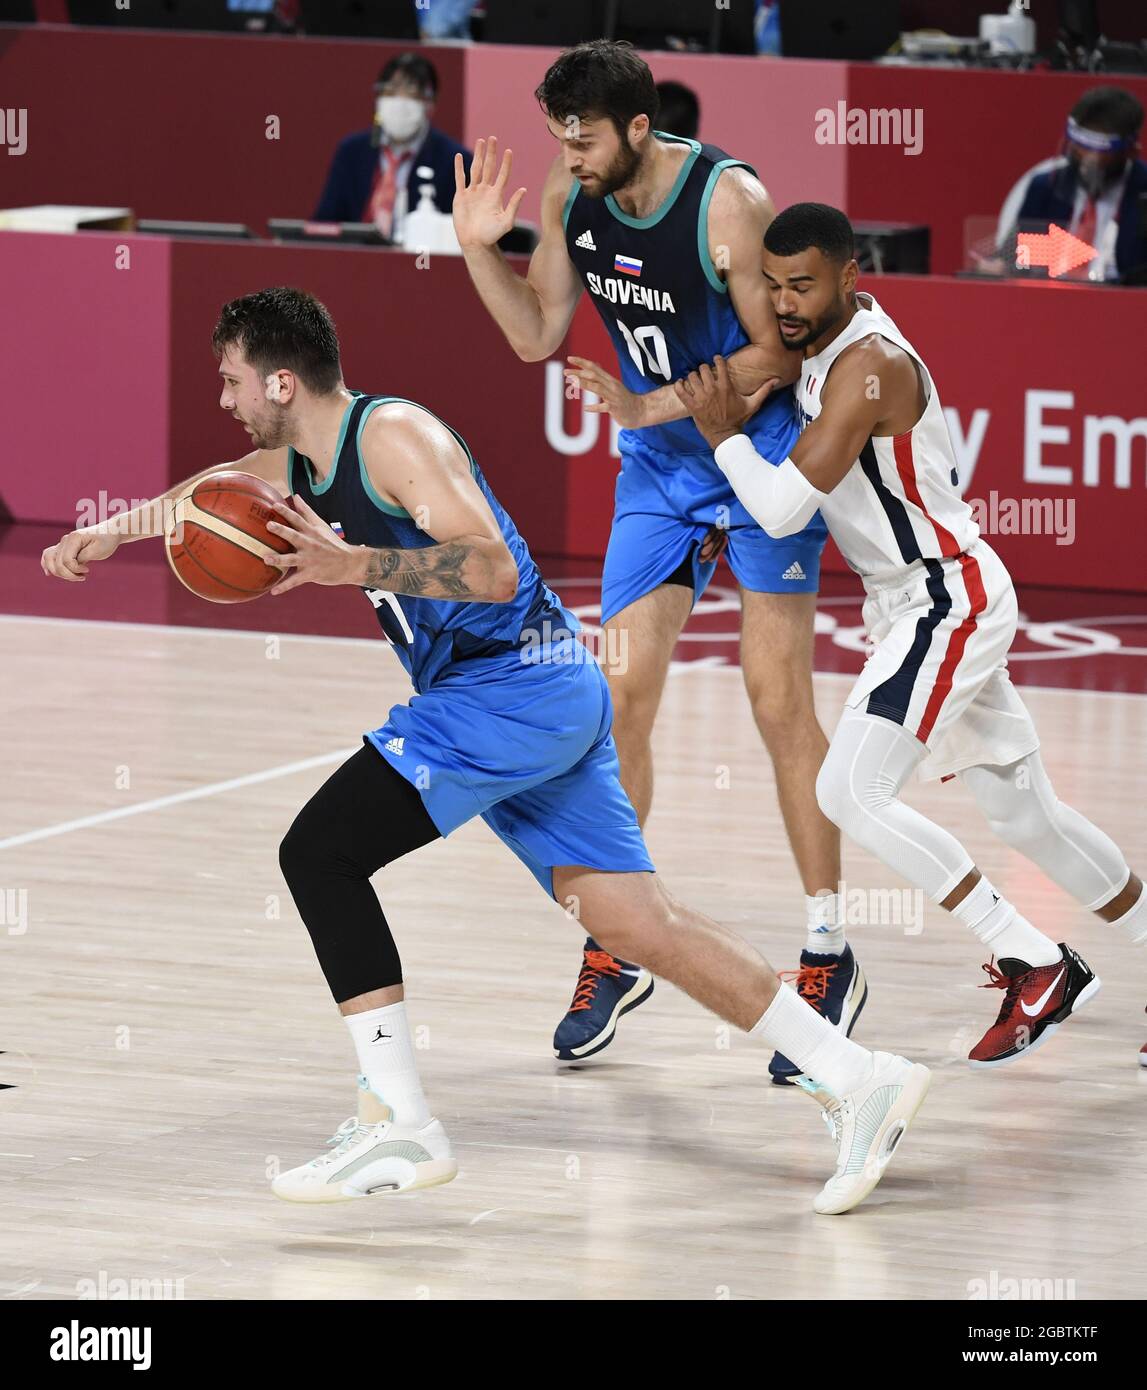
point(634, 709)
point(832, 795)
point(308, 848)
point(782, 708)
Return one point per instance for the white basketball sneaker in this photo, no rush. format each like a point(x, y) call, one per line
point(866, 1125)
point(371, 1155)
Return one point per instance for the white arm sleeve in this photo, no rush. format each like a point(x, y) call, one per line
point(778, 496)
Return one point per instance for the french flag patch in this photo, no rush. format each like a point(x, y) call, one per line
point(628, 265)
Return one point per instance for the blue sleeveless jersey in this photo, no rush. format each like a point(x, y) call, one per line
point(430, 636)
point(661, 299)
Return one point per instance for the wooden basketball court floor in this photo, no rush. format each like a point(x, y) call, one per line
point(168, 1037)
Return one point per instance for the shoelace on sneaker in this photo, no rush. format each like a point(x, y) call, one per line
point(812, 982)
point(998, 980)
point(595, 964)
point(343, 1137)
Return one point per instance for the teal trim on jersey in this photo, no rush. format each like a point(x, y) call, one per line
point(575, 189)
point(703, 222)
point(318, 488)
point(655, 217)
point(367, 486)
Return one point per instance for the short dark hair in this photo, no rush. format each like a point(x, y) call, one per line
point(1109, 109)
point(413, 66)
point(605, 77)
point(811, 224)
point(279, 328)
point(679, 110)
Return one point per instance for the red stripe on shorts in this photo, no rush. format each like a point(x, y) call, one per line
point(974, 583)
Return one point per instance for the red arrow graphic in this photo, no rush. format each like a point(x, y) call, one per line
point(1057, 249)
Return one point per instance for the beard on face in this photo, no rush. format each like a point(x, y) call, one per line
point(621, 169)
point(813, 327)
point(268, 428)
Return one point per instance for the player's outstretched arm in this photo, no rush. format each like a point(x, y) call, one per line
point(415, 463)
point(534, 313)
point(74, 553)
point(783, 497)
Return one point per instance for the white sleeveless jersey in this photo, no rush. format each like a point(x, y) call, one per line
point(898, 504)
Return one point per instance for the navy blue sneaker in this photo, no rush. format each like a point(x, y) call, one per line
point(606, 989)
point(836, 988)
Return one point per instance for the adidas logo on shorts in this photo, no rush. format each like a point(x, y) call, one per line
point(794, 571)
point(394, 746)
point(585, 241)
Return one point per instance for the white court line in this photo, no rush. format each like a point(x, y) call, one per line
point(676, 668)
point(212, 789)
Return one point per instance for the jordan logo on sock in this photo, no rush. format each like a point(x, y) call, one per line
point(380, 1035)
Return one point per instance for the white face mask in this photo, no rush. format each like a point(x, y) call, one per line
point(399, 117)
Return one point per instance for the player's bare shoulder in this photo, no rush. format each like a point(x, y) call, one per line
point(740, 211)
point(400, 437)
point(879, 372)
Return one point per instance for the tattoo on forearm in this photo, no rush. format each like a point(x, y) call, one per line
point(438, 571)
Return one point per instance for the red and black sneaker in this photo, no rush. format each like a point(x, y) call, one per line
point(1037, 1001)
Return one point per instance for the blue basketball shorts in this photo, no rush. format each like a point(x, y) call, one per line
point(664, 507)
point(524, 742)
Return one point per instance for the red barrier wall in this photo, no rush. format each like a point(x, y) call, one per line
point(201, 150)
point(175, 125)
point(84, 366)
point(113, 385)
point(981, 131)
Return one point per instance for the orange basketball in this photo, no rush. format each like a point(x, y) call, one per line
point(218, 538)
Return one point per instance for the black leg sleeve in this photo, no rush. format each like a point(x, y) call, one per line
point(364, 816)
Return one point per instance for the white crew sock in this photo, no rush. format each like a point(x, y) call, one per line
point(997, 924)
point(798, 1032)
point(1134, 921)
point(386, 1059)
point(825, 924)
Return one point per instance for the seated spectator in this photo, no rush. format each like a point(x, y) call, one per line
point(1095, 188)
point(373, 175)
point(679, 112)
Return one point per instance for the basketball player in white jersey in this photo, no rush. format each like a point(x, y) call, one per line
point(940, 613)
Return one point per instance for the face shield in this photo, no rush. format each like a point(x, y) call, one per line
point(1098, 158)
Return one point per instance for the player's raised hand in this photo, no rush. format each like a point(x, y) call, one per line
point(72, 554)
point(481, 215)
point(718, 408)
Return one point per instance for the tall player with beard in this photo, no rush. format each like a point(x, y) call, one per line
point(664, 234)
point(875, 458)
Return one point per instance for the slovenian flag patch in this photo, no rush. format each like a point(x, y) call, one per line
point(628, 265)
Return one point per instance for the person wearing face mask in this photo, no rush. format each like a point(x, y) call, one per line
point(374, 175)
point(1096, 188)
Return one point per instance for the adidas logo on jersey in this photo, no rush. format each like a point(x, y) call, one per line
point(794, 571)
point(585, 241)
point(394, 746)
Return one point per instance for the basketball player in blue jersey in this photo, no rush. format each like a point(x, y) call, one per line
point(664, 234)
point(510, 722)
